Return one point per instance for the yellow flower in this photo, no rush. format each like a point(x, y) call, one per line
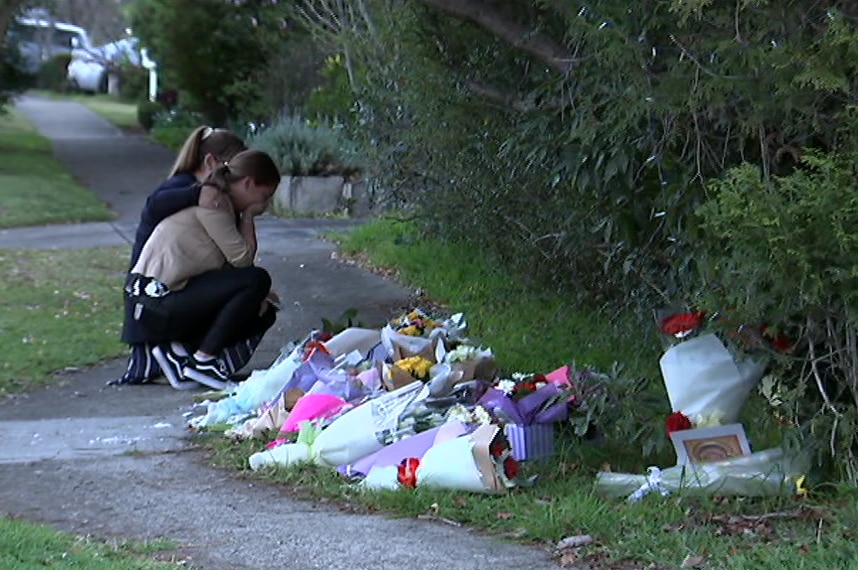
point(410, 330)
point(800, 489)
point(417, 366)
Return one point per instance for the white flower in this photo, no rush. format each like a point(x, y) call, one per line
point(462, 353)
point(710, 419)
point(478, 415)
point(507, 386)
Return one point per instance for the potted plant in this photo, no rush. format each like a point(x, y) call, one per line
point(321, 168)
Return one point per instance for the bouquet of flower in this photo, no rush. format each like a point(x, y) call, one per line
point(480, 462)
point(414, 323)
point(705, 382)
point(416, 333)
point(472, 361)
point(349, 436)
point(526, 399)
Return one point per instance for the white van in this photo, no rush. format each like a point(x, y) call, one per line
point(39, 39)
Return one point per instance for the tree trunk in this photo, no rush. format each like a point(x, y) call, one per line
point(8, 9)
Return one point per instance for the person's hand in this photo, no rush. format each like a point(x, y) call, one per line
point(271, 300)
point(214, 199)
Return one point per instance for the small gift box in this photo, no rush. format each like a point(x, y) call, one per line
point(530, 442)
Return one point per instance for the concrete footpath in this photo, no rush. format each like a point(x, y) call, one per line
point(119, 462)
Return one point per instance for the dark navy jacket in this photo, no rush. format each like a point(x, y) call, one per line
point(173, 195)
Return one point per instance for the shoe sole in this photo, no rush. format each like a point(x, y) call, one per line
point(202, 378)
point(168, 367)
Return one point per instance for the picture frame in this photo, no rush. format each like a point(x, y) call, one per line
point(716, 443)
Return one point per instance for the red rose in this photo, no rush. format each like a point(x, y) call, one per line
point(682, 323)
point(540, 378)
point(510, 468)
point(497, 448)
point(677, 421)
point(406, 472)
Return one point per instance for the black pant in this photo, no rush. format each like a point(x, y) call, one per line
point(219, 308)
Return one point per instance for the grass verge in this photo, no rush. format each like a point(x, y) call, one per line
point(24, 546)
point(59, 309)
point(35, 188)
point(537, 331)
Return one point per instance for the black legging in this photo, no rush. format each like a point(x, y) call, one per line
point(218, 308)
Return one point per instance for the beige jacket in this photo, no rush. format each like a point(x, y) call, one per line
point(191, 242)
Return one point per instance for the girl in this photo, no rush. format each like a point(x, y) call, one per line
point(203, 150)
point(194, 281)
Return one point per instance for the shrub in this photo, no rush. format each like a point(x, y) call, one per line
point(134, 82)
point(146, 113)
point(301, 149)
point(53, 74)
point(784, 253)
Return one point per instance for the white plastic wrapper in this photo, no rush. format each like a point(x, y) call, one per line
point(703, 379)
point(349, 437)
point(764, 473)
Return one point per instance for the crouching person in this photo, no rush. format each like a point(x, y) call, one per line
point(194, 289)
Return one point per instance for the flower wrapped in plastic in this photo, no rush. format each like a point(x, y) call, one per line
point(471, 361)
point(350, 436)
point(705, 382)
point(414, 446)
point(291, 371)
point(526, 399)
point(764, 473)
point(262, 386)
point(417, 334)
point(479, 462)
point(528, 405)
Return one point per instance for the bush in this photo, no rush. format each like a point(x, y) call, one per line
point(13, 80)
point(784, 253)
point(300, 149)
point(146, 113)
point(53, 74)
point(172, 126)
point(133, 83)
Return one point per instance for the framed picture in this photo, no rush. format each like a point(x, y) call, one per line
point(710, 444)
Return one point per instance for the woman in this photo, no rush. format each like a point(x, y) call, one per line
point(194, 281)
point(203, 150)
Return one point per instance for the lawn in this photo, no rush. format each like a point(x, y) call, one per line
point(59, 309)
point(25, 546)
point(35, 189)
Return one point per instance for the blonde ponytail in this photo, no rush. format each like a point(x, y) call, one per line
point(221, 143)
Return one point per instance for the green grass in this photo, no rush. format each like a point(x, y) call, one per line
point(26, 546)
point(120, 113)
point(527, 330)
point(35, 188)
point(59, 308)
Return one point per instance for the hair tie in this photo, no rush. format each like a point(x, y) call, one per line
point(207, 133)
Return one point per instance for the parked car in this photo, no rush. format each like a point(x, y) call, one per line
point(38, 39)
point(89, 68)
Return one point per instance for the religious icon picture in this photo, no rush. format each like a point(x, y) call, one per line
point(710, 444)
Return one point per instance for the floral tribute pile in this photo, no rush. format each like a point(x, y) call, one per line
point(413, 404)
point(708, 384)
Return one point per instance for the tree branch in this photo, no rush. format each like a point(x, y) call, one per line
point(543, 47)
point(511, 100)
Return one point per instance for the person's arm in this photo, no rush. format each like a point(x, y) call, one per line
point(165, 202)
point(220, 226)
point(247, 228)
